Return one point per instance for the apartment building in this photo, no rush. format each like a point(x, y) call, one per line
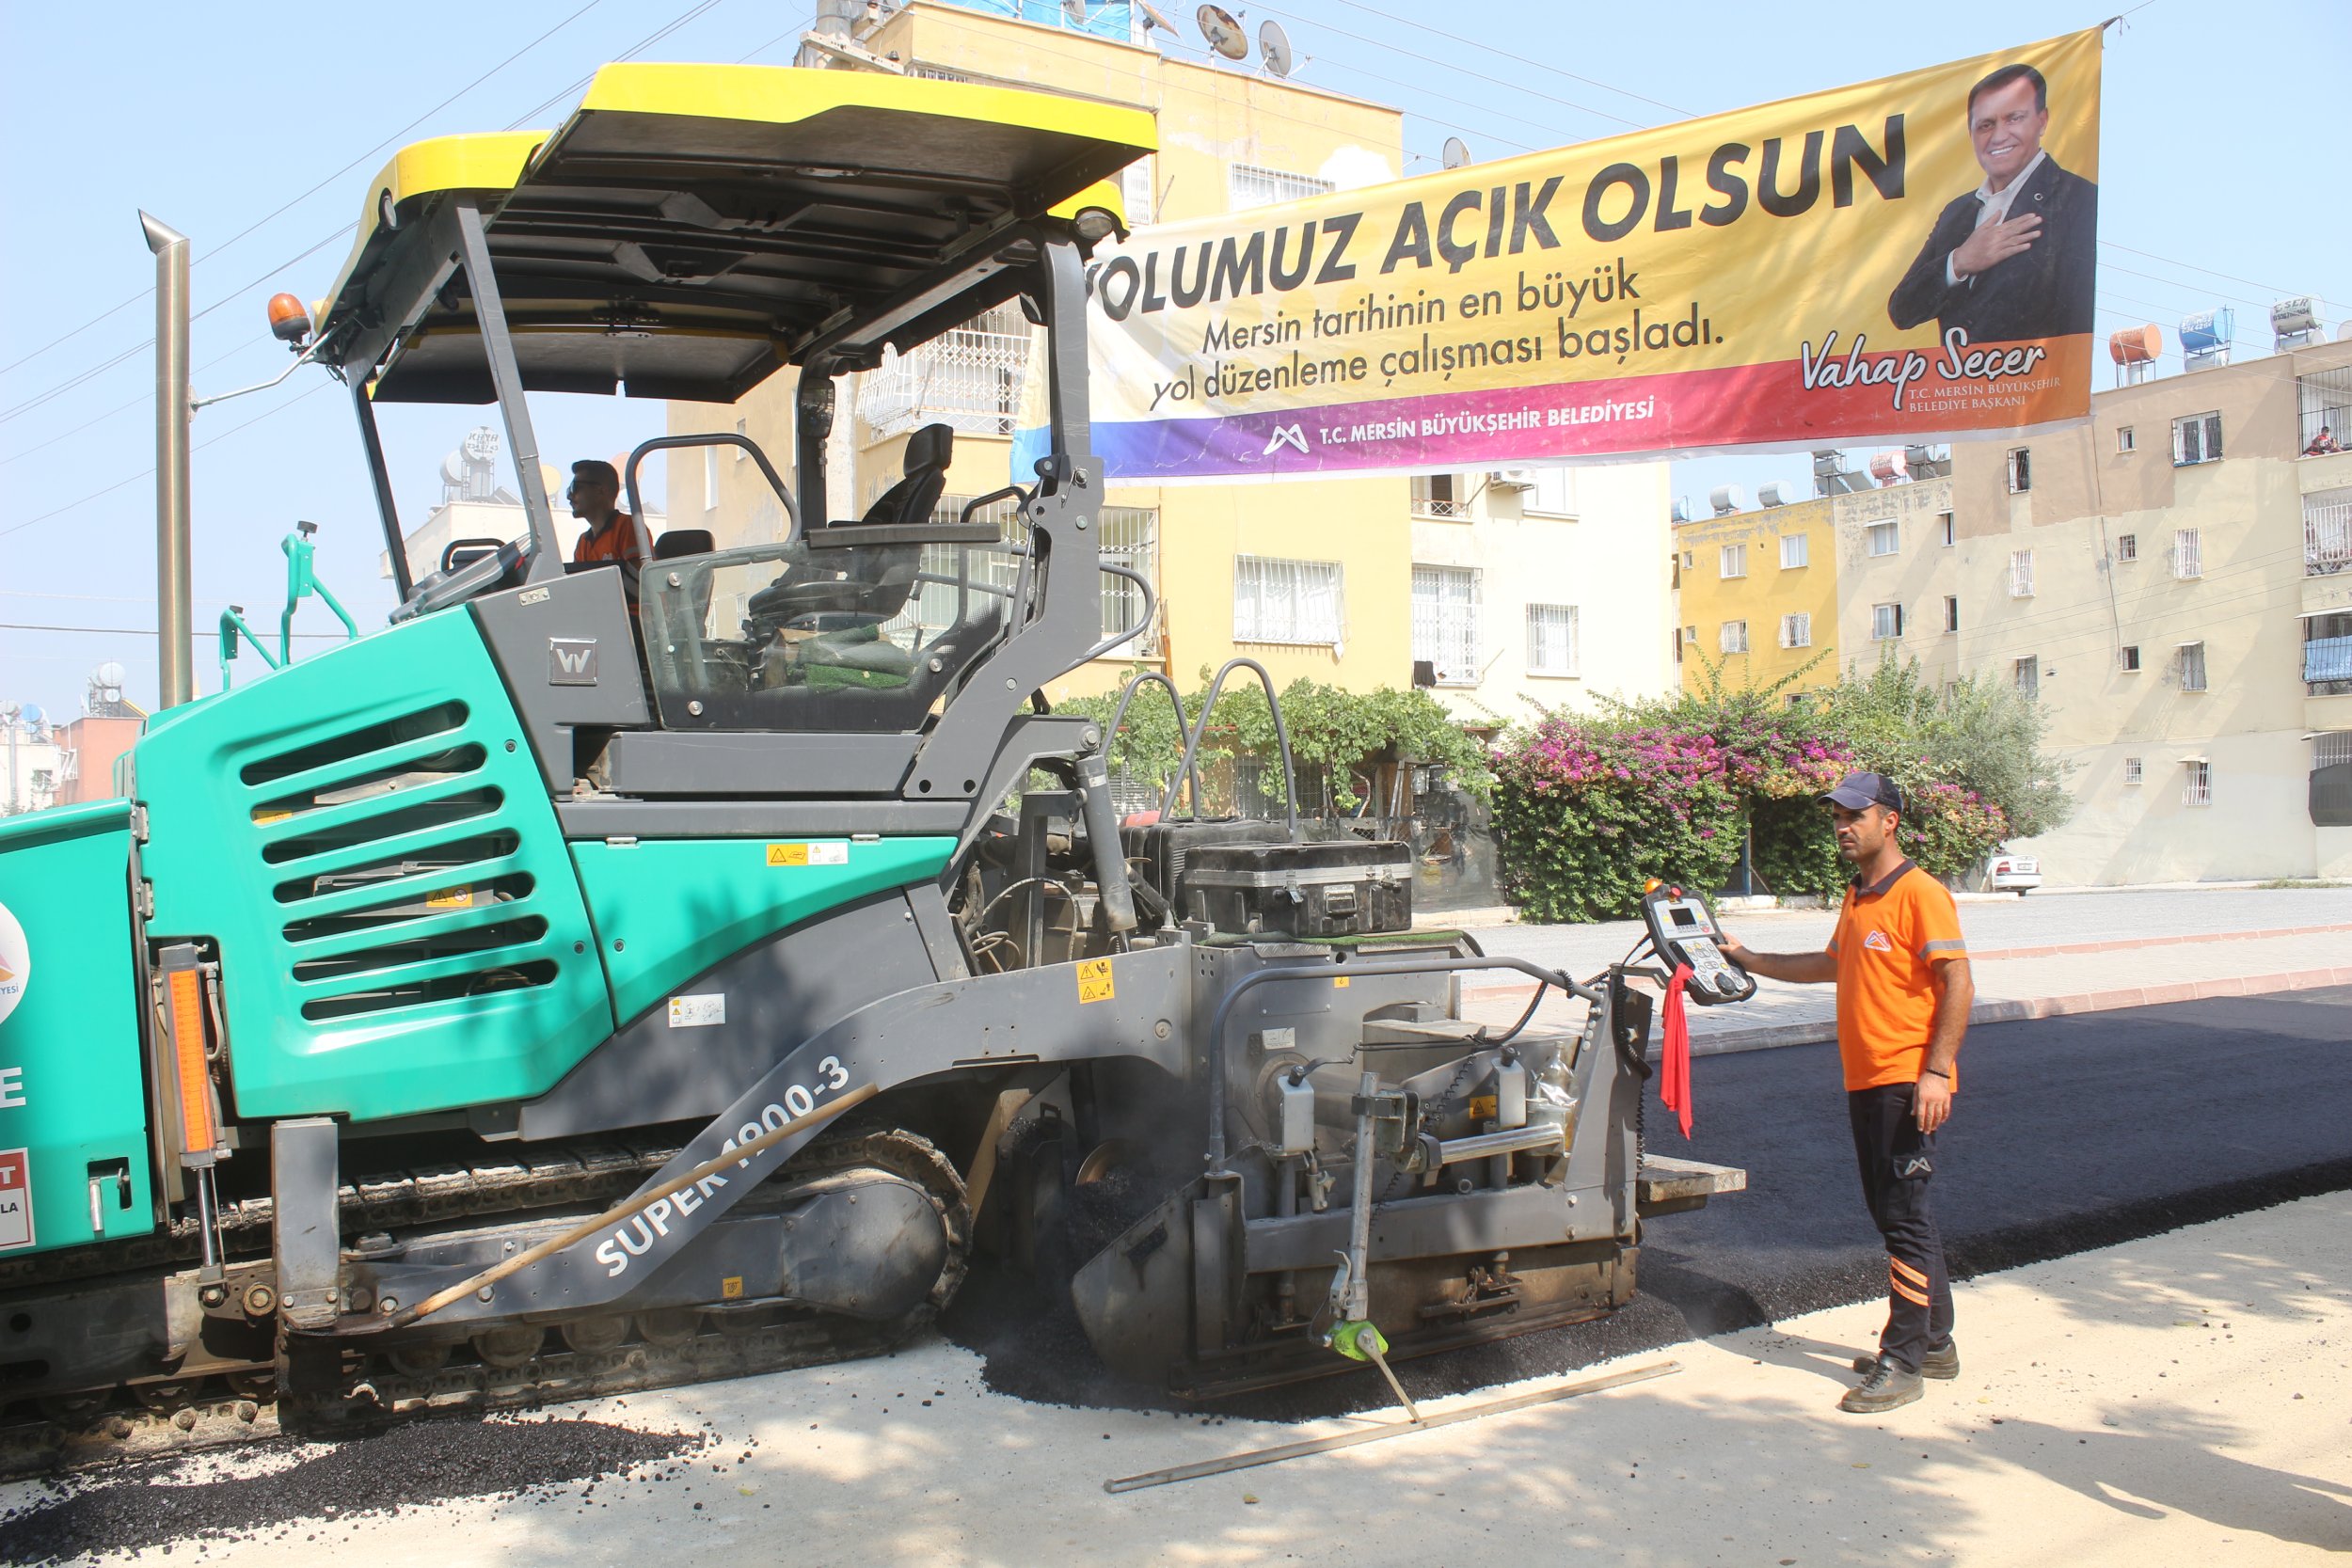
point(1516, 589)
point(1802, 591)
point(2172, 582)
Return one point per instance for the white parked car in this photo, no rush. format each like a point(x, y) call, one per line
point(2008, 873)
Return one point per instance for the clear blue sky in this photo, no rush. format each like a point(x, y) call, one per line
point(2223, 150)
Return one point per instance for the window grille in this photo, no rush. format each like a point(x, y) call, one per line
point(2026, 671)
point(2021, 575)
point(1552, 640)
point(2197, 788)
point(1439, 495)
point(1796, 631)
point(2127, 547)
point(2327, 533)
point(2134, 770)
point(2192, 666)
point(969, 377)
point(1733, 638)
point(1288, 601)
point(2196, 439)
point(1445, 622)
point(2188, 553)
point(1247, 186)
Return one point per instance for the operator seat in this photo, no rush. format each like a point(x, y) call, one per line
point(836, 599)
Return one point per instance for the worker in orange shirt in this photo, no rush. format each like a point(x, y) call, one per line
point(1903, 994)
point(613, 534)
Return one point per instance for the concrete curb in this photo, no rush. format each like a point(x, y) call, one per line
point(2004, 1011)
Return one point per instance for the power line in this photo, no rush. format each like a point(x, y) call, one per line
point(148, 631)
point(257, 223)
point(1422, 25)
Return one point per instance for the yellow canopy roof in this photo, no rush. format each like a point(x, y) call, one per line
point(691, 227)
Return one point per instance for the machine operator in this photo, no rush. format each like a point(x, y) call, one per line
point(613, 536)
point(1903, 993)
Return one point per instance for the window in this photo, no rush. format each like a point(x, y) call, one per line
point(2197, 787)
point(1795, 550)
point(1135, 191)
point(1129, 538)
point(1883, 539)
point(2330, 749)
point(2127, 658)
point(2197, 439)
point(1247, 186)
point(2124, 439)
point(1690, 634)
point(1793, 699)
point(1796, 631)
point(1445, 622)
point(1946, 533)
point(2026, 671)
point(710, 479)
point(1439, 495)
point(1554, 494)
point(1288, 601)
point(1733, 638)
point(2327, 532)
point(2191, 662)
point(2021, 575)
point(1690, 560)
point(1552, 640)
point(2020, 470)
point(742, 428)
point(2188, 554)
point(2127, 547)
point(1733, 562)
point(2134, 771)
point(1887, 622)
point(1951, 613)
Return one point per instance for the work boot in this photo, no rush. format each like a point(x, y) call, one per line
point(1941, 1365)
point(1887, 1387)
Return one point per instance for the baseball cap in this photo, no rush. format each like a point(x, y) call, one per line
point(1857, 790)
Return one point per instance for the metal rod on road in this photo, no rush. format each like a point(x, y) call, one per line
point(1393, 1429)
point(175, 670)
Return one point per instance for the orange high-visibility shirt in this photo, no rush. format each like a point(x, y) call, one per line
point(1890, 937)
point(618, 539)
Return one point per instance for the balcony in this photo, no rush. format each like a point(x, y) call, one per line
point(2327, 533)
point(2327, 664)
point(968, 377)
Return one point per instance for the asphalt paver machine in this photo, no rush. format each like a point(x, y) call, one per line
point(667, 969)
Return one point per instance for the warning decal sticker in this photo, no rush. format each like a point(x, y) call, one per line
point(16, 1198)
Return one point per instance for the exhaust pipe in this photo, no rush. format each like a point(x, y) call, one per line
point(175, 670)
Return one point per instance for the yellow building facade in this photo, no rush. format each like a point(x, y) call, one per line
point(1758, 595)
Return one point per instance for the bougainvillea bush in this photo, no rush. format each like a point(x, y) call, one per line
point(1589, 806)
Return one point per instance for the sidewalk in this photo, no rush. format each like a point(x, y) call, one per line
point(2030, 959)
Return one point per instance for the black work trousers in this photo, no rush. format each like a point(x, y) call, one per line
point(1897, 1161)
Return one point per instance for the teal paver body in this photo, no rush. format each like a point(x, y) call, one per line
point(73, 1086)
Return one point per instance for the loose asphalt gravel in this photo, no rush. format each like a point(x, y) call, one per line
point(2070, 1134)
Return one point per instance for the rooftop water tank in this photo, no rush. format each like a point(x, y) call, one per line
point(2207, 330)
point(2136, 345)
point(2300, 314)
point(1726, 499)
point(1889, 467)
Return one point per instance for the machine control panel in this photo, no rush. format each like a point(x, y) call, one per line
point(1685, 930)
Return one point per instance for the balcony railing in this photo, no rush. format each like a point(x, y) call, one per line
point(2327, 659)
point(2326, 536)
point(967, 378)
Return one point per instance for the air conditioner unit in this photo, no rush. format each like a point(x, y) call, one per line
point(1512, 479)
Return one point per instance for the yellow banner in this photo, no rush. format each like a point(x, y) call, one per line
point(1907, 259)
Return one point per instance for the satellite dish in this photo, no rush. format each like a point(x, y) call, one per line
point(1457, 152)
point(1074, 12)
point(1222, 28)
point(1151, 19)
point(1274, 47)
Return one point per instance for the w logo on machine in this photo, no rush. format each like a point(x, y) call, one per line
point(1286, 435)
point(572, 661)
point(1877, 943)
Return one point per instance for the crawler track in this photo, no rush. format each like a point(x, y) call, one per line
point(160, 1420)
